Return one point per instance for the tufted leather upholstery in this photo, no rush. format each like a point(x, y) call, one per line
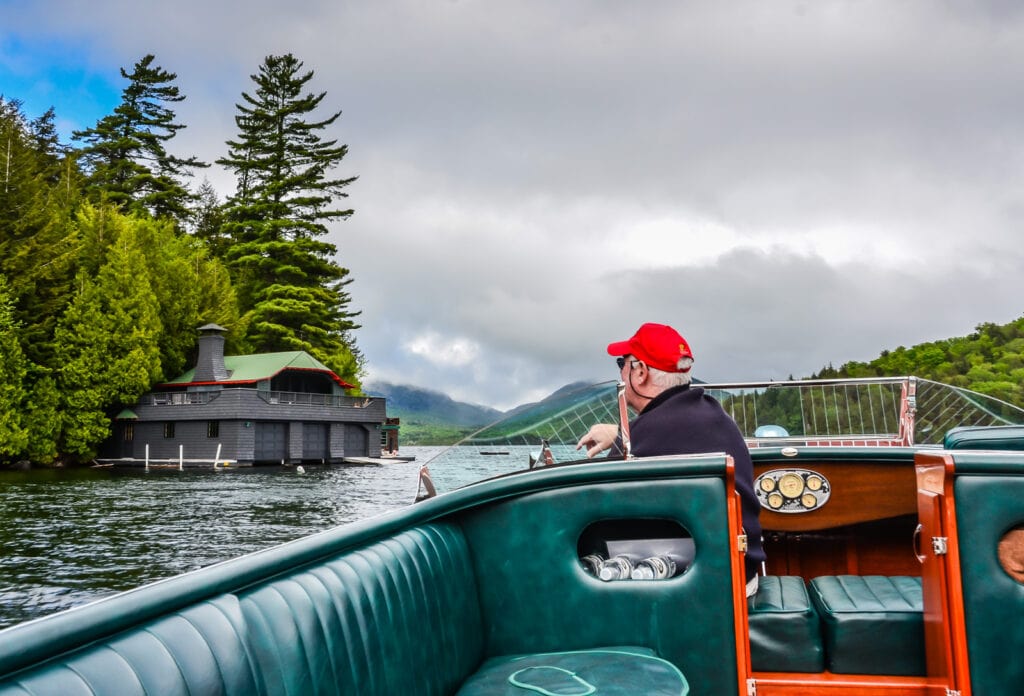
point(1004, 437)
point(314, 631)
point(872, 624)
point(346, 624)
point(784, 627)
point(199, 650)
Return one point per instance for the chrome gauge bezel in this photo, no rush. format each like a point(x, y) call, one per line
point(800, 490)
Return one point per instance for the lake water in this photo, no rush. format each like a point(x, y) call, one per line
point(70, 536)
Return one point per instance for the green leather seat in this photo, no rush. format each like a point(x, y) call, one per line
point(200, 650)
point(785, 633)
point(313, 631)
point(1002, 437)
point(871, 624)
point(619, 671)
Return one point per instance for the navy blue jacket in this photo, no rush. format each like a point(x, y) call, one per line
point(685, 420)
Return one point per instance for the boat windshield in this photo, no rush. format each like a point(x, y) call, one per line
point(891, 411)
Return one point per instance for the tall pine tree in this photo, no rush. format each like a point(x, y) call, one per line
point(108, 351)
point(13, 371)
point(124, 152)
point(39, 186)
point(291, 289)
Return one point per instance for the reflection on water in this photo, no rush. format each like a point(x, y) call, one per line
point(71, 536)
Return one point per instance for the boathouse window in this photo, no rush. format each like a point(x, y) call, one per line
point(212, 428)
point(129, 432)
point(168, 430)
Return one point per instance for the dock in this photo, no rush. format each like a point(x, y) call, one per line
point(375, 461)
point(132, 463)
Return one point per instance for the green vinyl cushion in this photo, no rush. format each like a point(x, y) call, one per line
point(784, 627)
point(343, 626)
point(601, 671)
point(335, 628)
point(197, 651)
point(872, 624)
point(999, 437)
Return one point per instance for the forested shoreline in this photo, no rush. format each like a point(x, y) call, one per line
point(112, 252)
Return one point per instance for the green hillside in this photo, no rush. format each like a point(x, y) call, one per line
point(990, 361)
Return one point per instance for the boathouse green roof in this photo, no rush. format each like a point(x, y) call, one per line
point(243, 369)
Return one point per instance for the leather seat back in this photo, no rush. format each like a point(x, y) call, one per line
point(337, 627)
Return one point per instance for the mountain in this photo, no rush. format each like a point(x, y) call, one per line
point(558, 393)
point(429, 417)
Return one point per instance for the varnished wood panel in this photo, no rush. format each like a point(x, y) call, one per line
point(783, 684)
point(860, 493)
point(877, 548)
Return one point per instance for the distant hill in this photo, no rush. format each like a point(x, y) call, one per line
point(430, 417)
point(553, 395)
point(990, 361)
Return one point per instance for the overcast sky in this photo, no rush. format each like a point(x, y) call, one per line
point(789, 184)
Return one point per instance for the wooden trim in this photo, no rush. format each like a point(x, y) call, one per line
point(795, 684)
point(739, 576)
point(935, 474)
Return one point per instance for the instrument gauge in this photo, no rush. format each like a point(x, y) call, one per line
point(775, 501)
point(791, 485)
point(808, 500)
point(814, 482)
point(767, 484)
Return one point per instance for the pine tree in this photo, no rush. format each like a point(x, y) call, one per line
point(42, 418)
point(191, 288)
point(124, 152)
point(291, 289)
point(38, 251)
point(108, 342)
point(81, 346)
point(13, 371)
point(208, 220)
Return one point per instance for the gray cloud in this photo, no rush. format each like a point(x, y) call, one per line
point(790, 184)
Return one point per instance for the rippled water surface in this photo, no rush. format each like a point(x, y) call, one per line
point(71, 536)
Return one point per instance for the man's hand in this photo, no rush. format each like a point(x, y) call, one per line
point(599, 438)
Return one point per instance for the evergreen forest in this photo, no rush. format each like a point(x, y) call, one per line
point(990, 361)
point(113, 252)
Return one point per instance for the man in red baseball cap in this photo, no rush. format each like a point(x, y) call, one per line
point(674, 417)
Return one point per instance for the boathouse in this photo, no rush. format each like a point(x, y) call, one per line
point(268, 408)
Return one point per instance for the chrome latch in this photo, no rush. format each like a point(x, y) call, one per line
point(952, 692)
point(940, 545)
point(752, 688)
point(741, 542)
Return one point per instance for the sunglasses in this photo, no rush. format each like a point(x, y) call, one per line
point(621, 362)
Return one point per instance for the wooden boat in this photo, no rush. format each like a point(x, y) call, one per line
point(890, 515)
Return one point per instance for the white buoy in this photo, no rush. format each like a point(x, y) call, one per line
point(299, 469)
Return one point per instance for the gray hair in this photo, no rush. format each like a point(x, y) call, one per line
point(666, 380)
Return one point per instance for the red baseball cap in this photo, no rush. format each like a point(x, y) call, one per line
point(658, 345)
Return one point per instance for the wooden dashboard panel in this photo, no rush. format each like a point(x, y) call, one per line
point(860, 492)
